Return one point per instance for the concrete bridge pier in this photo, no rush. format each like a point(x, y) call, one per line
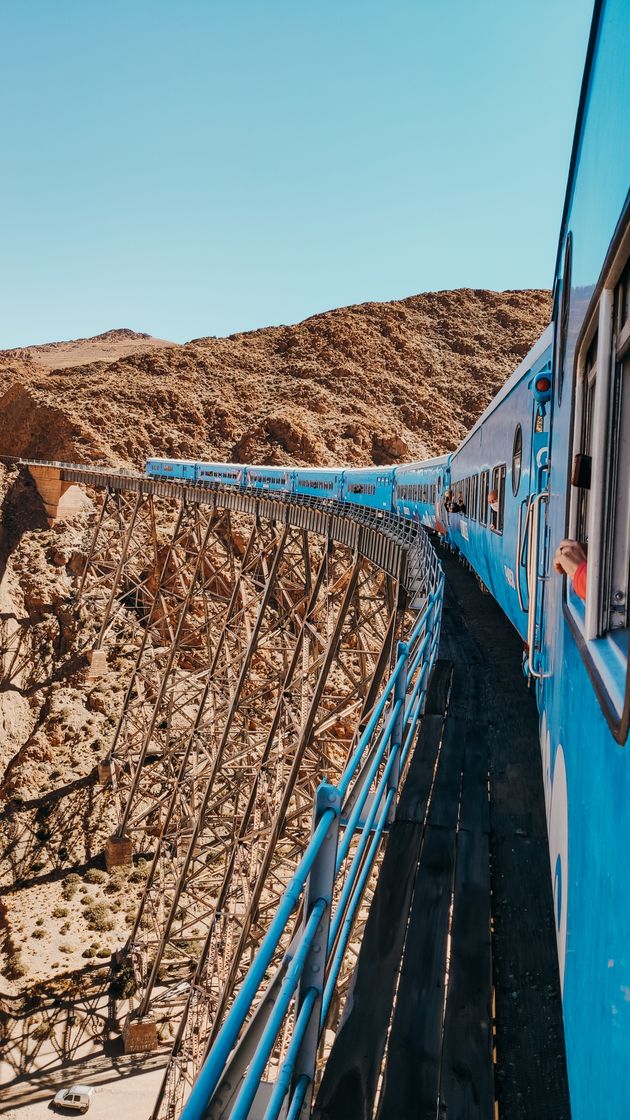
point(61, 499)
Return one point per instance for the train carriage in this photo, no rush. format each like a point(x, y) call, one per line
point(494, 472)
point(223, 474)
point(181, 469)
point(579, 649)
point(318, 482)
point(419, 490)
point(270, 478)
point(369, 486)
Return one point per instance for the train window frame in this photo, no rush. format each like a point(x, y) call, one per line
point(474, 495)
point(517, 458)
point(484, 490)
point(601, 629)
point(498, 484)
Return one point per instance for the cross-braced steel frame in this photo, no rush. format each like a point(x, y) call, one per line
point(258, 632)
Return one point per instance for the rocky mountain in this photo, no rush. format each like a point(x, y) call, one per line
point(376, 382)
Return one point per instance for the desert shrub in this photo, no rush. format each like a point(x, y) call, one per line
point(15, 968)
point(140, 872)
point(70, 886)
point(65, 927)
point(88, 953)
point(98, 916)
point(42, 1030)
point(37, 867)
point(39, 922)
point(66, 948)
point(38, 934)
point(95, 875)
point(103, 953)
point(60, 912)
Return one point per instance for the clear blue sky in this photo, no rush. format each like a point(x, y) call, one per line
point(193, 167)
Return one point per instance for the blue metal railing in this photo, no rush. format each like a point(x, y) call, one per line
point(290, 1013)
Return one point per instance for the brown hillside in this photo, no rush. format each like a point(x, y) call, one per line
point(377, 382)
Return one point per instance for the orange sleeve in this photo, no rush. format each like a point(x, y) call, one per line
point(579, 581)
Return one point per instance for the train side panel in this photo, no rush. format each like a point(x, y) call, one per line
point(505, 453)
point(369, 486)
point(183, 469)
point(584, 688)
point(322, 483)
point(269, 478)
point(419, 490)
point(224, 474)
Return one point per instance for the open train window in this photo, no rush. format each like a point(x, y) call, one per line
point(474, 484)
point(484, 479)
point(517, 458)
point(599, 506)
point(498, 486)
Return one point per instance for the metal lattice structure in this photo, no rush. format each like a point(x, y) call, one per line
point(259, 632)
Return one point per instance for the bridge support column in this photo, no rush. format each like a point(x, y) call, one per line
point(118, 851)
point(97, 659)
point(61, 499)
point(140, 1036)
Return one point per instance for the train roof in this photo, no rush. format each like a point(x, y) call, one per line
point(319, 470)
point(529, 361)
point(213, 463)
point(437, 461)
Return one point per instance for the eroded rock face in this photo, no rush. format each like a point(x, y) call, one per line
point(378, 382)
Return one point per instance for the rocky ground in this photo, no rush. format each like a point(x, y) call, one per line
point(373, 383)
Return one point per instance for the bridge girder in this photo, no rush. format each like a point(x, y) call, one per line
point(258, 650)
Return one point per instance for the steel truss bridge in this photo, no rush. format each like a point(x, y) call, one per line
point(278, 652)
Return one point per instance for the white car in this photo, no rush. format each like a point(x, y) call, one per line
point(77, 1097)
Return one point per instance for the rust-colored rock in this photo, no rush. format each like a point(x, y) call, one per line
point(377, 382)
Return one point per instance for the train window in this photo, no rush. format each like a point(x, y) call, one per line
point(484, 479)
point(498, 485)
point(583, 450)
point(565, 305)
point(599, 509)
point(474, 484)
point(517, 458)
point(616, 589)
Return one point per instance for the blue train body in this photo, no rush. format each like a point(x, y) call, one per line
point(419, 491)
point(506, 452)
point(554, 445)
point(180, 469)
point(369, 486)
point(325, 483)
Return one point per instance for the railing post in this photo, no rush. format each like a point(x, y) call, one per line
point(395, 743)
point(320, 884)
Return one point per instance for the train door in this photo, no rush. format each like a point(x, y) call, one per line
point(533, 531)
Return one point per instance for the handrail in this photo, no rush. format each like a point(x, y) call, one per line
point(329, 883)
point(533, 561)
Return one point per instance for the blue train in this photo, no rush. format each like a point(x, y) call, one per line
point(549, 462)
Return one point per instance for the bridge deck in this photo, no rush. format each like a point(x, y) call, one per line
point(462, 919)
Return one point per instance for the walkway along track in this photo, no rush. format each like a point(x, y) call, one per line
point(455, 1007)
point(261, 631)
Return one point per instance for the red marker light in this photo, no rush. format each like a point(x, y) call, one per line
point(543, 384)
